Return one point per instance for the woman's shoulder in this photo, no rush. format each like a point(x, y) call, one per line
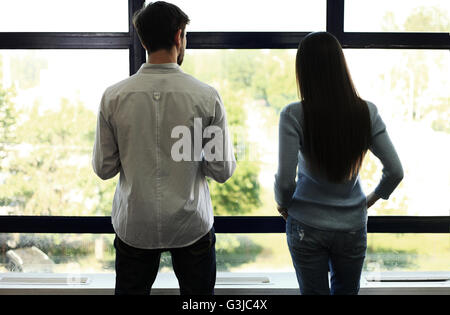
point(294, 109)
point(377, 123)
point(373, 110)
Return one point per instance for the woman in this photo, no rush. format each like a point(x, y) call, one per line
point(327, 135)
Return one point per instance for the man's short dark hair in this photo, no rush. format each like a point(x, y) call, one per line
point(157, 23)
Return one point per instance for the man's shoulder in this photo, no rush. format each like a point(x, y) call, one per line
point(117, 87)
point(182, 82)
point(197, 85)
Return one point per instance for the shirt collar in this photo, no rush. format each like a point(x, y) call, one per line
point(159, 68)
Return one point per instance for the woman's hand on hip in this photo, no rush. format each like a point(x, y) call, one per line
point(283, 212)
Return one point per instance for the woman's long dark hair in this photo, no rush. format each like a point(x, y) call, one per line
point(337, 129)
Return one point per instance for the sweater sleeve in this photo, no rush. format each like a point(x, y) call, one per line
point(384, 150)
point(289, 146)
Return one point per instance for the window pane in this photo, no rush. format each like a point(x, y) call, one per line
point(48, 102)
point(410, 89)
point(407, 252)
point(254, 85)
point(397, 16)
point(95, 253)
point(57, 253)
point(254, 15)
point(64, 16)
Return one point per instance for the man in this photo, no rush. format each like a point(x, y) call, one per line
point(162, 201)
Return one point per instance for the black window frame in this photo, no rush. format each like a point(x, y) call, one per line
point(221, 40)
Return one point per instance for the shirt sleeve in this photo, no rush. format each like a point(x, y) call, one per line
point(105, 157)
point(289, 146)
point(222, 168)
point(384, 150)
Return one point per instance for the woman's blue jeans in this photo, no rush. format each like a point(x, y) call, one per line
point(315, 252)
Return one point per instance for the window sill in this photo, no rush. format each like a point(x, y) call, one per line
point(283, 283)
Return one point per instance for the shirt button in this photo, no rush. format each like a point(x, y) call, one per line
point(156, 96)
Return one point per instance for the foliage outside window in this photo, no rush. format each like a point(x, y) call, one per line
point(46, 145)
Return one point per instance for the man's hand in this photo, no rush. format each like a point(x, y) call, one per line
point(283, 212)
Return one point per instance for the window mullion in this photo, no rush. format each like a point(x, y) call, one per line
point(137, 52)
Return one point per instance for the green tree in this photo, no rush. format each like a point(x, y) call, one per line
point(231, 73)
point(7, 139)
point(415, 80)
point(274, 80)
point(26, 69)
point(412, 79)
point(431, 19)
point(51, 172)
point(7, 121)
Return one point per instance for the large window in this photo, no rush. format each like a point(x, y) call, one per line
point(51, 85)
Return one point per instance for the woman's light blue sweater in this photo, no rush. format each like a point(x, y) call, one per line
point(314, 200)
